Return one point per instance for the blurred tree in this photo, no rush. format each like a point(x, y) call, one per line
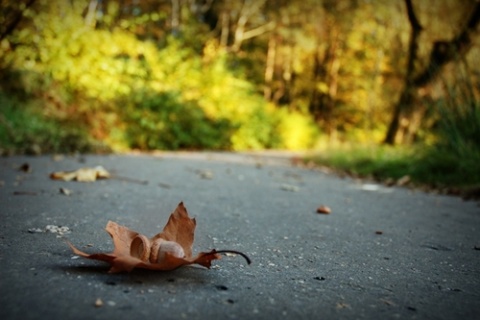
point(330, 59)
point(442, 53)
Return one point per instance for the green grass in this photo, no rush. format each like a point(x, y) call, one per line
point(429, 166)
point(373, 161)
point(451, 162)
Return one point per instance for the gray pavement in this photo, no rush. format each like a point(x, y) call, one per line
point(382, 253)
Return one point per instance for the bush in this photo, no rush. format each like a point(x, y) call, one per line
point(24, 130)
point(164, 121)
point(90, 84)
point(295, 130)
point(454, 159)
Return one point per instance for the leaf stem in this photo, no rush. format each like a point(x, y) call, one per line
point(234, 252)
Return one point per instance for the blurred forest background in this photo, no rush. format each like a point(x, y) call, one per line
point(388, 87)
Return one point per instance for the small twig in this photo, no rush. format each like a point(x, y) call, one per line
point(234, 252)
point(127, 179)
point(25, 193)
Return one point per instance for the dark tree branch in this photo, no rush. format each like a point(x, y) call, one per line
point(444, 52)
point(413, 44)
point(15, 21)
point(406, 98)
point(414, 23)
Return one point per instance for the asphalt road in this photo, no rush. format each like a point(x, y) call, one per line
point(382, 253)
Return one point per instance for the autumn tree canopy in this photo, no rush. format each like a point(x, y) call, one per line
point(218, 74)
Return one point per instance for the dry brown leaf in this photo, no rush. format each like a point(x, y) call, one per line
point(82, 174)
point(403, 180)
point(168, 250)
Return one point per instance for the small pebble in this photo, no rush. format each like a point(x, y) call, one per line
point(221, 287)
point(205, 174)
point(98, 303)
point(289, 187)
point(65, 191)
point(25, 168)
point(35, 230)
point(61, 230)
point(324, 210)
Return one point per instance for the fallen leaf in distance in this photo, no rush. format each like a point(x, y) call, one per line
point(403, 180)
point(82, 174)
point(324, 210)
point(66, 191)
point(168, 250)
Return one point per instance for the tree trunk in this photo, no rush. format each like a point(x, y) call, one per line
point(270, 67)
point(225, 30)
point(175, 18)
point(325, 69)
point(407, 95)
point(90, 17)
point(442, 53)
point(240, 34)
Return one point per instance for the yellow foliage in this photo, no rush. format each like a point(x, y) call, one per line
point(296, 131)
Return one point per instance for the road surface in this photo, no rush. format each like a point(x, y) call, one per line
point(381, 253)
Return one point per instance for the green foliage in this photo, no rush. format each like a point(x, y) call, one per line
point(24, 130)
point(451, 161)
point(164, 121)
point(439, 166)
point(130, 93)
point(374, 161)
